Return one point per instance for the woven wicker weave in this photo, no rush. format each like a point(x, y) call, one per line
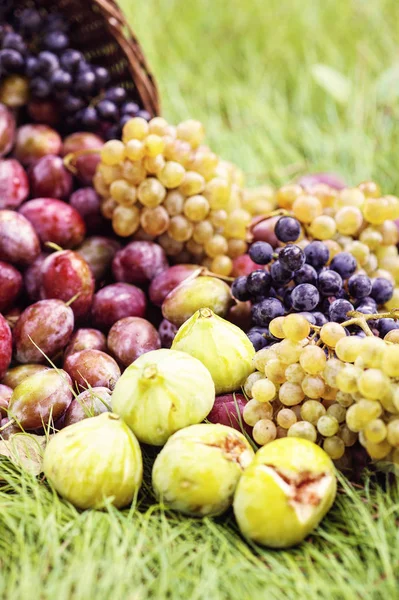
point(99, 29)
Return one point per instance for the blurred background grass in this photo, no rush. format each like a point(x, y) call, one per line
point(282, 86)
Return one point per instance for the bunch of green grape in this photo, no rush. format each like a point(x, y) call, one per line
point(161, 183)
point(327, 387)
point(359, 220)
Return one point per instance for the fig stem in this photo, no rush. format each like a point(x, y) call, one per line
point(72, 156)
point(205, 312)
point(150, 372)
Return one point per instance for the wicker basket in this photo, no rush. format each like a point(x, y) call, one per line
point(99, 29)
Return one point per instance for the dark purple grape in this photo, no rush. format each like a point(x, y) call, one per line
point(116, 95)
point(115, 302)
point(40, 88)
point(319, 318)
point(386, 325)
point(257, 340)
point(86, 339)
point(130, 108)
point(61, 80)
point(92, 368)
point(317, 254)
point(131, 337)
point(10, 285)
point(89, 403)
point(305, 297)
point(291, 257)
point(48, 325)
point(261, 253)
point(329, 283)
point(239, 289)
point(139, 262)
point(144, 114)
point(280, 275)
point(15, 42)
point(306, 274)
point(167, 332)
point(47, 62)
point(71, 104)
point(339, 310)
point(29, 20)
point(267, 310)
point(382, 290)
point(56, 41)
point(359, 286)
point(107, 110)
point(287, 229)
point(66, 274)
point(89, 117)
point(55, 221)
point(11, 61)
point(70, 59)
point(5, 346)
point(344, 264)
point(31, 66)
point(258, 283)
point(19, 243)
point(85, 83)
point(102, 76)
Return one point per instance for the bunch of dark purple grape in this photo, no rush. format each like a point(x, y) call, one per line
point(76, 93)
point(305, 281)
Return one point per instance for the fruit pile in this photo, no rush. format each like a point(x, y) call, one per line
point(40, 70)
point(161, 183)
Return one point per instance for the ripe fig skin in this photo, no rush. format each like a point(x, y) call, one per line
point(49, 323)
point(198, 469)
point(272, 504)
point(40, 398)
point(188, 297)
point(89, 403)
point(161, 392)
point(222, 347)
point(95, 461)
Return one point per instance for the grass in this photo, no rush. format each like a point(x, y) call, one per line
point(283, 87)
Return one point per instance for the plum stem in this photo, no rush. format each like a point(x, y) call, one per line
point(71, 300)
point(72, 156)
point(54, 246)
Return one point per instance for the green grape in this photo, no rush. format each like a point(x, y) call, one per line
point(294, 373)
point(312, 359)
point(334, 447)
point(373, 384)
point(154, 145)
point(290, 394)
point(276, 327)
point(216, 245)
point(350, 197)
point(327, 426)
point(378, 451)
point(372, 351)
point(323, 228)
point(393, 433)
point(344, 399)
point(275, 370)
point(125, 220)
point(264, 431)
point(347, 379)
point(331, 370)
point(196, 208)
point(312, 411)
point(172, 174)
point(262, 357)
point(255, 411)
point(304, 430)
point(331, 333)
point(306, 208)
point(348, 348)
point(375, 431)
point(371, 238)
point(286, 417)
point(151, 192)
point(361, 413)
point(337, 411)
point(203, 232)
point(180, 229)
point(136, 128)
point(348, 436)
point(349, 219)
point(264, 390)
point(113, 153)
point(154, 164)
point(191, 131)
point(217, 192)
point(313, 386)
point(174, 202)
point(218, 218)
point(390, 361)
point(295, 327)
point(193, 183)
point(134, 150)
point(251, 379)
point(288, 351)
